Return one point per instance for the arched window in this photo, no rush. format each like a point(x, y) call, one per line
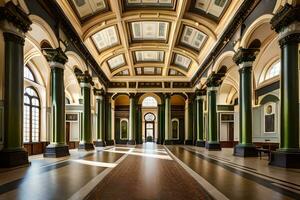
point(28, 74)
point(31, 120)
point(274, 70)
point(149, 102)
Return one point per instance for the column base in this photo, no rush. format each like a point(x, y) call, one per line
point(131, 142)
point(13, 158)
point(168, 142)
point(213, 146)
point(188, 142)
point(56, 151)
point(286, 159)
point(100, 143)
point(245, 150)
point(110, 142)
point(200, 143)
point(86, 146)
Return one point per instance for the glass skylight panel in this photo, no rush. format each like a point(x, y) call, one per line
point(149, 2)
point(116, 62)
point(182, 61)
point(149, 70)
point(149, 56)
point(213, 7)
point(89, 7)
point(138, 71)
point(106, 38)
point(123, 73)
point(192, 37)
point(149, 30)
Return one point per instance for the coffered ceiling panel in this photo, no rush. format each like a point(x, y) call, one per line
point(106, 38)
point(123, 73)
point(149, 56)
point(182, 61)
point(149, 30)
point(148, 71)
point(212, 8)
point(149, 3)
point(86, 8)
point(192, 38)
point(173, 72)
point(116, 62)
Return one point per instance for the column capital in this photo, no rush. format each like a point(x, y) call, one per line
point(56, 57)
point(214, 80)
point(131, 95)
point(245, 55)
point(85, 79)
point(15, 15)
point(167, 95)
point(286, 16)
point(99, 93)
point(200, 93)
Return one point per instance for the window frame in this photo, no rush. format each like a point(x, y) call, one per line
point(31, 106)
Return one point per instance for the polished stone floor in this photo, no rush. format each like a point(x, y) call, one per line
point(149, 171)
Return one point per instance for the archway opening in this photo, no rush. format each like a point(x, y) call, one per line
point(150, 124)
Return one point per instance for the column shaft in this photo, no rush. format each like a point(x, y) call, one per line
point(245, 105)
point(289, 121)
point(131, 120)
point(100, 119)
point(200, 123)
point(212, 116)
point(167, 118)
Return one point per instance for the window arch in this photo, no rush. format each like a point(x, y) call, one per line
point(28, 74)
point(274, 70)
point(31, 122)
point(149, 102)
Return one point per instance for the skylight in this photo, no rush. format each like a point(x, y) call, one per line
point(106, 38)
point(149, 30)
point(86, 8)
point(116, 62)
point(192, 37)
point(149, 56)
point(182, 61)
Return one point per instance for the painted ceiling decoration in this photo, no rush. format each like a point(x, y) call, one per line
point(132, 39)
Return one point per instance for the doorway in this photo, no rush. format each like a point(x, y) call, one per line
point(149, 127)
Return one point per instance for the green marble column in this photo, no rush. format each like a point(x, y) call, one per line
point(200, 119)
point(161, 123)
point(245, 58)
point(57, 147)
point(167, 119)
point(86, 83)
point(100, 142)
point(190, 118)
point(213, 82)
point(132, 121)
point(15, 23)
point(139, 125)
point(285, 23)
point(108, 121)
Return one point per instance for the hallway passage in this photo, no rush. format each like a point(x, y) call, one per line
point(150, 171)
point(141, 172)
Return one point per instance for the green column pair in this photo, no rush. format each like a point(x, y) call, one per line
point(57, 146)
point(286, 24)
point(85, 81)
point(13, 152)
point(245, 58)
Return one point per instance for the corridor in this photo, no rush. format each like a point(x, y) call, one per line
point(149, 171)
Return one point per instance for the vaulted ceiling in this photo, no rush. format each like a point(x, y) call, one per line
point(149, 40)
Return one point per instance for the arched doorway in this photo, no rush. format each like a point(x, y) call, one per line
point(149, 127)
point(150, 124)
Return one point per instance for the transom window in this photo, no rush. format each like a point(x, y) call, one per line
point(31, 120)
point(149, 117)
point(149, 102)
point(28, 74)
